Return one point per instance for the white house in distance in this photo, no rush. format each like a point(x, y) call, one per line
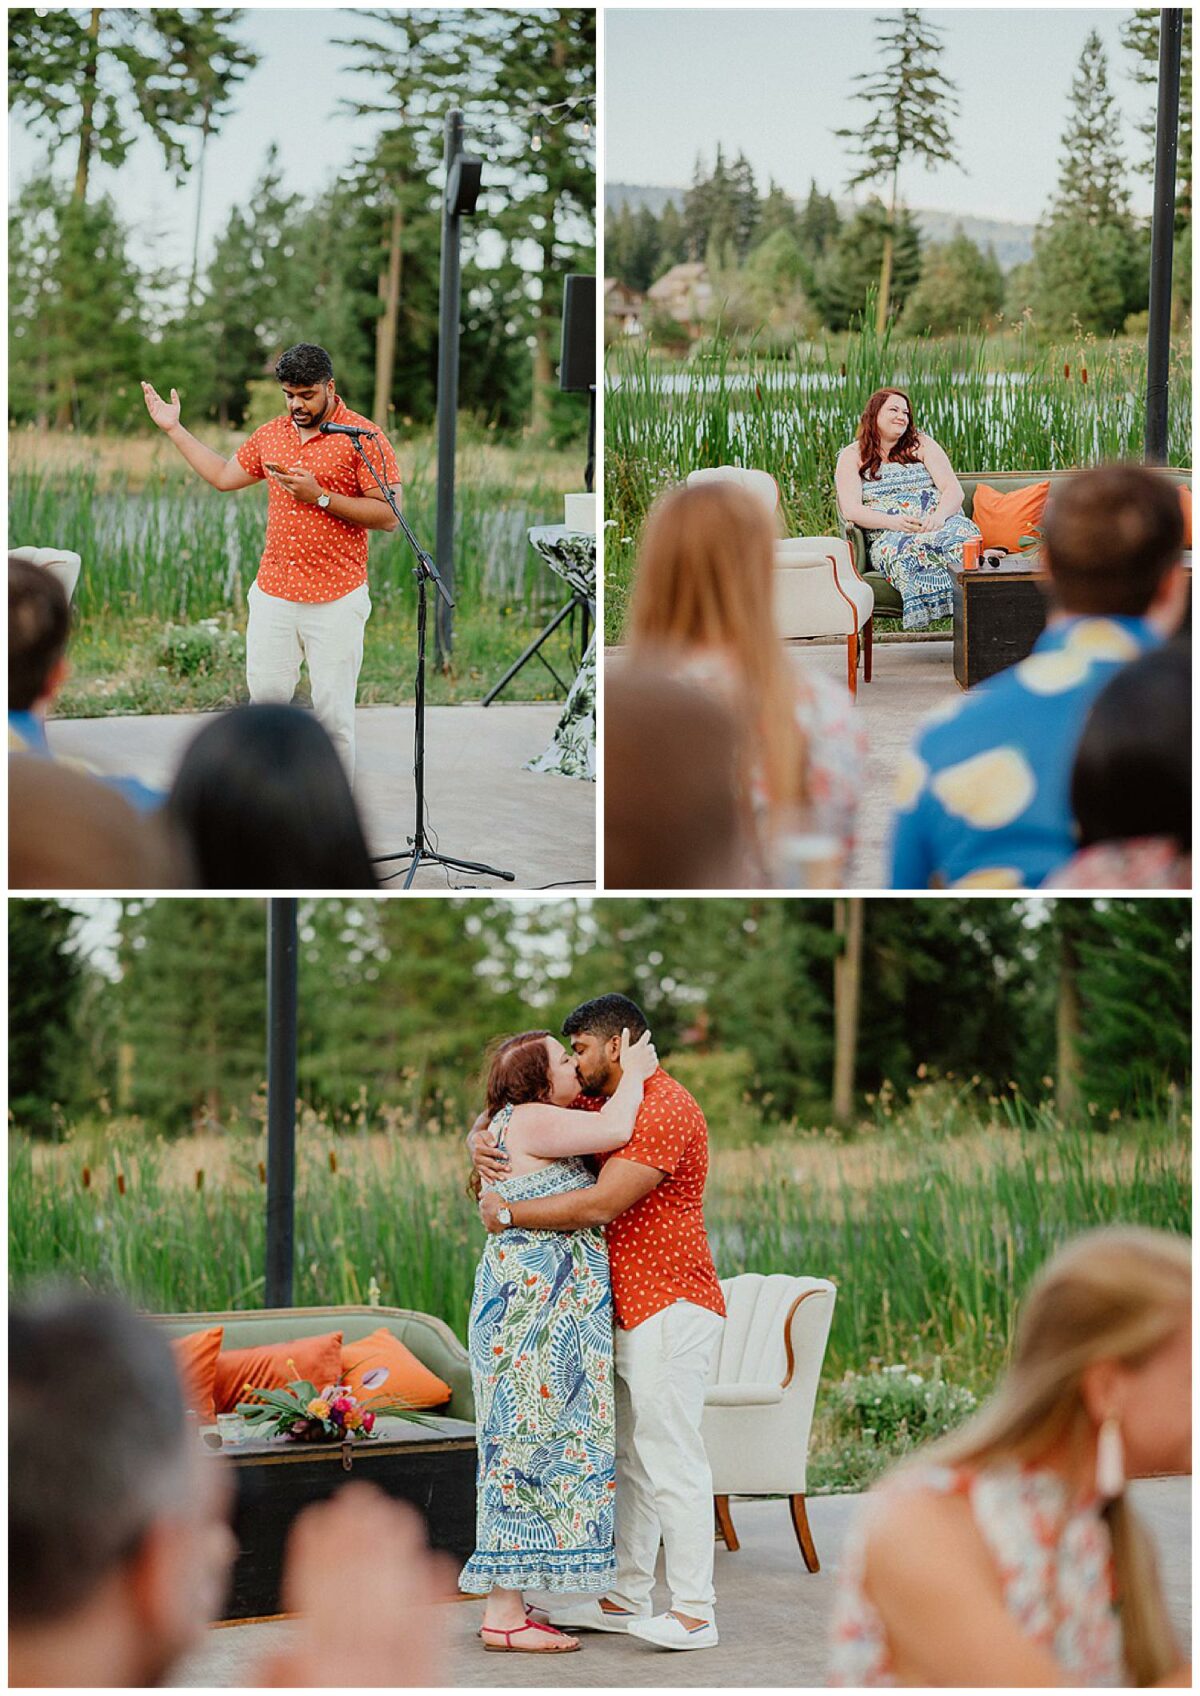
point(685, 293)
point(623, 307)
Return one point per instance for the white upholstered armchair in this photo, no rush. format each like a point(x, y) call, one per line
point(819, 593)
point(760, 484)
point(59, 562)
point(758, 1407)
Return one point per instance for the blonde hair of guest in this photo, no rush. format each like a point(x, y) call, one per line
point(1118, 1293)
point(705, 581)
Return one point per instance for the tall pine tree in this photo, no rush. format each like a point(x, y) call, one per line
point(910, 103)
point(1090, 260)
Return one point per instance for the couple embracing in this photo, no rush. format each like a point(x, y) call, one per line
point(595, 1323)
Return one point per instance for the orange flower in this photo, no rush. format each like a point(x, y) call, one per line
point(545, 1391)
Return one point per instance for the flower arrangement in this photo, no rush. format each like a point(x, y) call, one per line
point(301, 1415)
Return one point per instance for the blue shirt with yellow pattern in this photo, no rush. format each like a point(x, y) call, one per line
point(983, 796)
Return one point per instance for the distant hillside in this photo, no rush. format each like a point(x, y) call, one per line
point(1012, 243)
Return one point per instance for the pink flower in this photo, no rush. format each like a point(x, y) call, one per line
point(343, 1404)
point(368, 1420)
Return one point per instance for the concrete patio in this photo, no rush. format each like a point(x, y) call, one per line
point(480, 801)
point(909, 679)
point(773, 1615)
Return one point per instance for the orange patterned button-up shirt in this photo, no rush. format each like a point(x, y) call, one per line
point(310, 555)
point(658, 1249)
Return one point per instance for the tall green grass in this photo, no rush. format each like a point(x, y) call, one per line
point(931, 1234)
point(1016, 405)
point(172, 548)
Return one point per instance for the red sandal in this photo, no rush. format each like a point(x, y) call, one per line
point(538, 1616)
point(509, 1648)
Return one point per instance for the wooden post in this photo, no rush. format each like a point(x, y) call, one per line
point(847, 978)
point(1066, 1024)
point(385, 330)
point(281, 1099)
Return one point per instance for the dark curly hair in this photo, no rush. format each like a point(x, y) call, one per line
point(304, 365)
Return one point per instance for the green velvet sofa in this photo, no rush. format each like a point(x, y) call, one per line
point(887, 599)
point(433, 1342)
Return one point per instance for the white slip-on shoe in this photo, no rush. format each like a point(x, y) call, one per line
point(667, 1632)
point(588, 1615)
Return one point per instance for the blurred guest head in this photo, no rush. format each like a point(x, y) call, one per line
point(118, 1525)
point(39, 623)
point(1133, 769)
point(263, 801)
point(67, 830)
point(1104, 1336)
point(705, 585)
point(673, 800)
point(1112, 538)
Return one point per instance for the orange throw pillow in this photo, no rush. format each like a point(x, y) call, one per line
point(196, 1362)
point(408, 1380)
point(1185, 501)
point(319, 1359)
point(1005, 519)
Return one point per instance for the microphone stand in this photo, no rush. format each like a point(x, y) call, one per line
point(425, 572)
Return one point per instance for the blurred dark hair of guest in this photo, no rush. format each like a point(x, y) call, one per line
point(1133, 771)
point(263, 802)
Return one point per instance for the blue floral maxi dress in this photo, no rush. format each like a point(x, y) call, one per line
point(915, 565)
point(541, 1345)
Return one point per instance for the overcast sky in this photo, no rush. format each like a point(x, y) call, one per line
point(291, 99)
point(775, 84)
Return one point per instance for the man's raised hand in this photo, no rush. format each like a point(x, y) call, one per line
point(639, 1059)
point(164, 413)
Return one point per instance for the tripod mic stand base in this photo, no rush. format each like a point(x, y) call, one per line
point(419, 854)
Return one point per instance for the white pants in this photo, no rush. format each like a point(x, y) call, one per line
point(329, 635)
point(664, 1483)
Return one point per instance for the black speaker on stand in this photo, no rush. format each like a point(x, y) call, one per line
point(576, 375)
point(577, 367)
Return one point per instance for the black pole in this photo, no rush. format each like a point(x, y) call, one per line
point(589, 470)
point(281, 1099)
point(449, 300)
point(1162, 232)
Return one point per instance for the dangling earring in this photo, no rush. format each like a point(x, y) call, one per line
point(1110, 1460)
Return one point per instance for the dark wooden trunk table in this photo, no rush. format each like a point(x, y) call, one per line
point(999, 613)
point(431, 1466)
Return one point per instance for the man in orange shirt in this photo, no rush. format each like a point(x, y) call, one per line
point(669, 1311)
point(310, 599)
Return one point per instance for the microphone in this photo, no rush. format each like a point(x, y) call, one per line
point(344, 430)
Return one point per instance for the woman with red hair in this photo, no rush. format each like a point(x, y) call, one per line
point(897, 485)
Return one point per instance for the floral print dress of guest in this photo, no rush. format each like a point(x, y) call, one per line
point(1054, 1559)
point(915, 565)
point(541, 1343)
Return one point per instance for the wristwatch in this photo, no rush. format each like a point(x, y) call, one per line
point(504, 1214)
point(323, 500)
